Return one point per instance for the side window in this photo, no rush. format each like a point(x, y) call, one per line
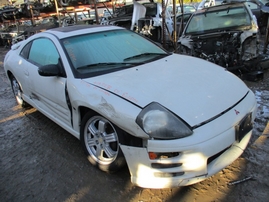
point(43, 52)
point(25, 51)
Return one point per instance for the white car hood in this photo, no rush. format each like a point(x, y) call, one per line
point(192, 88)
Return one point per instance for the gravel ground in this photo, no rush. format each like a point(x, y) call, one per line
point(39, 161)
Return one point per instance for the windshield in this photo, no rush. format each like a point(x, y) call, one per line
point(218, 20)
point(103, 52)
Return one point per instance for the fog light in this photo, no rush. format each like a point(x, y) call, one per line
point(152, 155)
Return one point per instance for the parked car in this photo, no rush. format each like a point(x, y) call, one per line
point(225, 34)
point(174, 119)
point(187, 8)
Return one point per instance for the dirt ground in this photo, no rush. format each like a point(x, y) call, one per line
point(39, 161)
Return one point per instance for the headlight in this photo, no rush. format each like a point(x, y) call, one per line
point(160, 123)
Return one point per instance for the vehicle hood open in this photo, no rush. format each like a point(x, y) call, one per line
point(172, 84)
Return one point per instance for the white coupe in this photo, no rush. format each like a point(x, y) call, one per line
point(173, 119)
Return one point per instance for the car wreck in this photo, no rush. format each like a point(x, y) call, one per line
point(227, 35)
point(144, 18)
point(107, 86)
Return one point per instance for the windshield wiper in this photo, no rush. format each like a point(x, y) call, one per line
point(145, 54)
point(110, 64)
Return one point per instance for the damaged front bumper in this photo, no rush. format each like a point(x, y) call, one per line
point(185, 166)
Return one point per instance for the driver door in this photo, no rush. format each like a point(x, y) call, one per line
point(47, 92)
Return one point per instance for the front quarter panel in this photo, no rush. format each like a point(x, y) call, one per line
point(118, 110)
point(210, 149)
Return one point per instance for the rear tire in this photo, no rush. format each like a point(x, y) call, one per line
point(101, 141)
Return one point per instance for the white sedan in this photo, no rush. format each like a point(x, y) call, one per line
point(173, 119)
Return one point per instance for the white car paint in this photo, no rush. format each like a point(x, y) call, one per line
point(180, 79)
point(195, 167)
point(194, 152)
point(195, 90)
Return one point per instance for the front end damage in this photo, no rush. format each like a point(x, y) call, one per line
point(228, 49)
point(214, 35)
point(189, 160)
point(159, 167)
point(237, 51)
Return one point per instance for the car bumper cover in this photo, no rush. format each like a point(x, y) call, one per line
point(192, 164)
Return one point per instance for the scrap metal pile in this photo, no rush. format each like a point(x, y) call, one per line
point(210, 33)
point(22, 19)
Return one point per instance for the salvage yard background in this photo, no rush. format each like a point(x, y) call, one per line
point(39, 161)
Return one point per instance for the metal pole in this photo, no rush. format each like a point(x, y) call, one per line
point(96, 12)
point(32, 15)
point(175, 25)
point(266, 37)
point(163, 24)
point(57, 11)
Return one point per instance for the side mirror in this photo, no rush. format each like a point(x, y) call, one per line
point(49, 70)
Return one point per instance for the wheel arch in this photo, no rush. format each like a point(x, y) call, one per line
point(84, 110)
point(9, 74)
point(129, 139)
point(19, 98)
point(249, 48)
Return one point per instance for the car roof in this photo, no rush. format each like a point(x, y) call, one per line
point(64, 32)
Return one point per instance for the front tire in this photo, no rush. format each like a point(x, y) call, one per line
point(17, 92)
point(101, 141)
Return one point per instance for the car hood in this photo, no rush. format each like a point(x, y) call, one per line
point(192, 88)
